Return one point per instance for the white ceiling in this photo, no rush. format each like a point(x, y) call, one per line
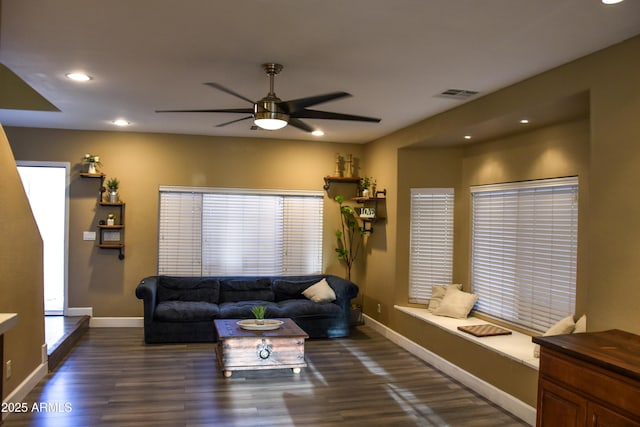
point(393, 56)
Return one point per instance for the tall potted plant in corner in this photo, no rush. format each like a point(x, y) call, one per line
point(349, 236)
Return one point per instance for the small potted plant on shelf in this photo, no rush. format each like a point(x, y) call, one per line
point(93, 162)
point(113, 184)
point(364, 185)
point(111, 219)
point(259, 311)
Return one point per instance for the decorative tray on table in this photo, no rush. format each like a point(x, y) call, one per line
point(252, 325)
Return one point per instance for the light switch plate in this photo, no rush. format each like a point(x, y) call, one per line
point(88, 235)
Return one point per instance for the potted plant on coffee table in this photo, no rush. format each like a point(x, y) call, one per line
point(258, 312)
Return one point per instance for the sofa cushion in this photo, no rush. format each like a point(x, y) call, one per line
point(242, 309)
point(246, 290)
point(320, 292)
point(291, 289)
point(172, 288)
point(186, 311)
point(305, 307)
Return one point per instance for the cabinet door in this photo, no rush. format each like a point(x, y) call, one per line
point(600, 416)
point(558, 406)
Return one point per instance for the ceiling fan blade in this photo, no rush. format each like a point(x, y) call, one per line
point(327, 115)
point(229, 91)
point(233, 121)
point(301, 103)
point(297, 123)
point(223, 110)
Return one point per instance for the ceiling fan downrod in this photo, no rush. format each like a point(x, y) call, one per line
point(272, 69)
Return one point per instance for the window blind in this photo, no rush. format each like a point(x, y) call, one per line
point(431, 241)
point(180, 234)
point(239, 232)
point(524, 250)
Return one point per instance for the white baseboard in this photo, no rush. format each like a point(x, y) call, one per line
point(79, 311)
point(116, 322)
point(20, 393)
point(506, 401)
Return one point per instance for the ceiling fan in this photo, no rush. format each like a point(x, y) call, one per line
point(272, 113)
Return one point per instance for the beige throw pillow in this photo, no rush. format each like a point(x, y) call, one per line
point(437, 293)
point(320, 292)
point(563, 326)
point(456, 303)
point(581, 325)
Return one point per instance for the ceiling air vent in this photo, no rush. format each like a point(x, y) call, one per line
point(457, 93)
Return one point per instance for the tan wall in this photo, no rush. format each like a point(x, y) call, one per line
point(21, 278)
point(142, 163)
point(552, 152)
point(555, 151)
point(609, 235)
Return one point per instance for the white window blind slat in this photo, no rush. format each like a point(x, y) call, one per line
point(431, 241)
point(180, 234)
point(246, 233)
point(302, 253)
point(524, 250)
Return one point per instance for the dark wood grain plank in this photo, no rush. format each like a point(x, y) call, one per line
point(113, 379)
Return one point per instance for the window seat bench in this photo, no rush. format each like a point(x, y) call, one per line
point(517, 346)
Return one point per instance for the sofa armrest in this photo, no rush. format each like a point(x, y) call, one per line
point(147, 290)
point(344, 289)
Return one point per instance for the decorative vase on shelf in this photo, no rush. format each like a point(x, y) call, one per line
point(365, 193)
point(113, 197)
point(92, 167)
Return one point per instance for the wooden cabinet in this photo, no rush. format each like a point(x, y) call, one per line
point(590, 379)
point(110, 236)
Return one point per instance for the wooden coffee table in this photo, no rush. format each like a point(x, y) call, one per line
point(239, 349)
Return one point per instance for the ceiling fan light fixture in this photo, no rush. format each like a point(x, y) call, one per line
point(270, 120)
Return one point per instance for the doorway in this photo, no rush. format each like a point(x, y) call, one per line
point(46, 185)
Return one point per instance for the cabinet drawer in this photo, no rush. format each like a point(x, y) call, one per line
point(558, 406)
point(591, 381)
point(600, 416)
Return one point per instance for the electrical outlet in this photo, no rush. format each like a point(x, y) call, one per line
point(379, 308)
point(9, 369)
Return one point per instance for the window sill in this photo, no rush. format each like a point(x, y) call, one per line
point(516, 346)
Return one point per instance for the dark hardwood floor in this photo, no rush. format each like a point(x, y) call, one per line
point(113, 379)
point(61, 333)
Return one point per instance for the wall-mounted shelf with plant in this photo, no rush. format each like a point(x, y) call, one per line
point(111, 230)
point(368, 195)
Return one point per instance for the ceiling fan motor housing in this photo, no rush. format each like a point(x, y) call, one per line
point(268, 109)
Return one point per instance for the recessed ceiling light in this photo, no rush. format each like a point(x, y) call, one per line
point(467, 137)
point(612, 1)
point(317, 132)
point(121, 122)
point(78, 77)
point(524, 121)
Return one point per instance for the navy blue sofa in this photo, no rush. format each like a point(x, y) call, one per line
point(182, 309)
